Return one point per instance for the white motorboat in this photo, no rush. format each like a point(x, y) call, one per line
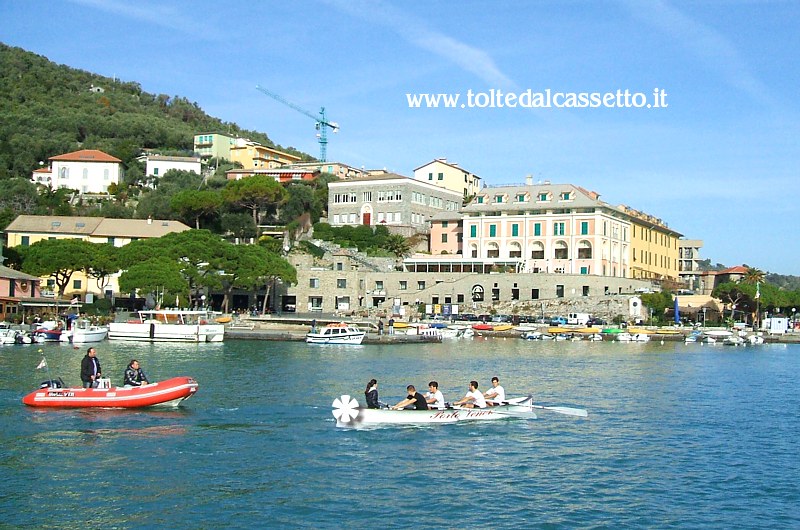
point(733, 340)
point(349, 414)
point(336, 334)
point(169, 325)
point(83, 331)
point(755, 339)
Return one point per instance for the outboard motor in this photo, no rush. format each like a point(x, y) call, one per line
point(52, 383)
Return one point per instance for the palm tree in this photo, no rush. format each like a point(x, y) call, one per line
point(753, 276)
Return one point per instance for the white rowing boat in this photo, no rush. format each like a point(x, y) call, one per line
point(349, 414)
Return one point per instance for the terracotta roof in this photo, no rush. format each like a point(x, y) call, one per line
point(86, 155)
point(43, 170)
point(738, 269)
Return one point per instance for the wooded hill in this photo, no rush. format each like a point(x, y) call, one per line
point(47, 109)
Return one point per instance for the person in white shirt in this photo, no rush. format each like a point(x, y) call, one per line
point(434, 396)
point(495, 395)
point(473, 399)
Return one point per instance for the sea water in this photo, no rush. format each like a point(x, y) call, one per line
point(678, 436)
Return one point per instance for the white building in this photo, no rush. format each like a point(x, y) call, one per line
point(449, 175)
point(87, 170)
point(157, 165)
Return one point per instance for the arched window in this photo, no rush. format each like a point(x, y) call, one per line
point(537, 250)
point(492, 250)
point(514, 250)
point(477, 293)
point(473, 250)
point(584, 250)
point(561, 250)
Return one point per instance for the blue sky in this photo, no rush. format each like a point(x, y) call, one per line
point(720, 163)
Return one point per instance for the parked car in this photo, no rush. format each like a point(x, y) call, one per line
point(558, 321)
point(596, 322)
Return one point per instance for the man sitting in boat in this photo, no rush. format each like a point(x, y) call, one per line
point(473, 399)
point(434, 397)
point(414, 399)
point(134, 376)
point(495, 395)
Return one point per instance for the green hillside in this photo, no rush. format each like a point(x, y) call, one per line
point(48, 109)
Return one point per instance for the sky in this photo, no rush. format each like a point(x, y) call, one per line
point(719, 162)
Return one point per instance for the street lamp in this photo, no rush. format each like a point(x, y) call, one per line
point(704, 317)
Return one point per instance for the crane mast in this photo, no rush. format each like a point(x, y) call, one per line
point(322, 123)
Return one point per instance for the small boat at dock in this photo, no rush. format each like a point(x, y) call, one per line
point(340, 333)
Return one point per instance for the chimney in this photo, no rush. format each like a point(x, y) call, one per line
point(529, 180)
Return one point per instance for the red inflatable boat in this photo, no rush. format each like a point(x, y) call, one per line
point(169, 393)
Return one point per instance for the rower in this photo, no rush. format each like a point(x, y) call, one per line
point(414, 398)
point(473, 399)
point(495, 395)
point(434, 397)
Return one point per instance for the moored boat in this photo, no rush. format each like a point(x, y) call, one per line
point(349, 414)
point(340, 333)
point(83, 331)
point(163, 393)
point(168, 325)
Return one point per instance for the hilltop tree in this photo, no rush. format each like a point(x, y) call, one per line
point(254, 193)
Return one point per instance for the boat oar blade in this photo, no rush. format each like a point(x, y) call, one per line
point(581, 413)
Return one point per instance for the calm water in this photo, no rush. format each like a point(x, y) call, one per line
point(679, 436)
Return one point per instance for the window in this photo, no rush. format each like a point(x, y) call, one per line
point(315, 303)
point(515, 229)
point(339, 266)
point(480, 199)
point(444, 224)
point(521, 197)
point(441, 176)
point(515, 294)
point(584, 250)
point(534, 294)
point(565, 196)
point(85, 173)
point(403, 285)
point(514, 250)
point(585, 290)
point(493, 251)
point(584, 228)
point(379, 285)
point(473, 231)
point(561, 250)
point(492, 230)
point(495, 294)
point(430, 176)
point(26, 240)
point(498, 199)
point(559, 229)
point(341, 283)
point(585, 270)
point(111, 240)
point(537, 229)
point(155, 171)
point(313, 283)
point(559, 291)
point(444, 238)
point(537, 251)
point(76, 284)
point(543, 197)
point(420, 285)
point(367, 196)
point(459, 298)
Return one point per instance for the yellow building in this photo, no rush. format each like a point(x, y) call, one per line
point(252, 155)
point(654, 247)
point(26, 230)
point(449, 175)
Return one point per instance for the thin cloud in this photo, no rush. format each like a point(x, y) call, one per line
point(706, 43)
point(416, 32)
point(156, 14)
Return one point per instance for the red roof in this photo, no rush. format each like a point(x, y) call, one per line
point(86, 155)
point(738, 269)
point(42, 170)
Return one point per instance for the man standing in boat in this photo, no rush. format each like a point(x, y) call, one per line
point(473, 399)
point(495, 395)
point(90, 369)
point(134, 376)
point(414, 398)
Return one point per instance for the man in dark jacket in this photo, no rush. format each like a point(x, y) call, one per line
point(134, 376)
point(90, 369)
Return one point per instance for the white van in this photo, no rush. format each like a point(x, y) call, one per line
point(579, 319)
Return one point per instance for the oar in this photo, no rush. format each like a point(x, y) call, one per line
point(582, 413)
